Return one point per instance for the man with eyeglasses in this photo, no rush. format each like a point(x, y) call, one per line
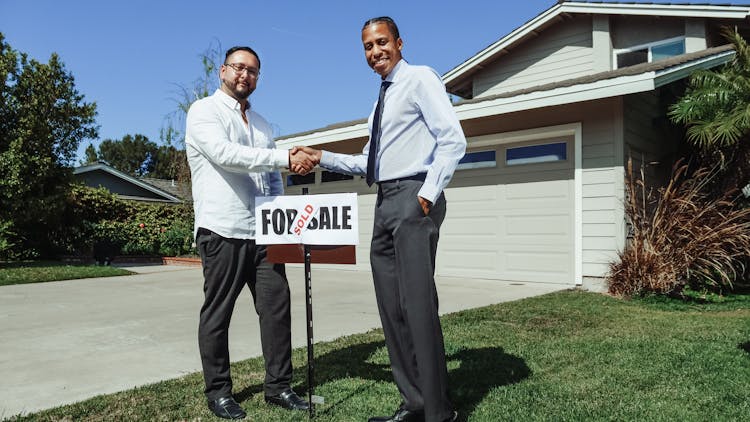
point(233, 159)
point(416, 142)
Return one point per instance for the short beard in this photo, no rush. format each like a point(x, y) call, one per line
point(239, 95)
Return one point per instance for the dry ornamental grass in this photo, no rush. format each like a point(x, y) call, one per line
point(680, 236)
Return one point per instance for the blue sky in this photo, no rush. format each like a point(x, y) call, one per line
point(129, 56)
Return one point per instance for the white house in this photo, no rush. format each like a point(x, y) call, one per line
point(552, 111)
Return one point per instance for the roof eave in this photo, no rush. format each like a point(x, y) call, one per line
point(322, 136)
point(145, 199)
point(600, 89)
point(84, 169)
point(455, 77)
point(597, 90)
point(452, 77)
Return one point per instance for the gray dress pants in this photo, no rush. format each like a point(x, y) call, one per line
point(404, 243)
point(228, 266)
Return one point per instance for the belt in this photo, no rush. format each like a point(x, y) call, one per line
point(419, 177)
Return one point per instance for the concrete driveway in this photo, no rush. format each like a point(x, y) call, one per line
point(66, 341)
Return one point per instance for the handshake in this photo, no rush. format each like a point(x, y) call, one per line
point(302, 160)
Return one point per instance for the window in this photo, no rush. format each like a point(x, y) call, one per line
point(531, 154)
point(296, 179)
point(330, 176)
point(650, 52)
point(664, 51)
point(477, 159)
point(631, 58)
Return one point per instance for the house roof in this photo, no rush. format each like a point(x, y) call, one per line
point(644, 77)
point(724, 51)
point(161, 194)
point(171, 186)
point(624, 81)
point(332, 127)
point(458, 80)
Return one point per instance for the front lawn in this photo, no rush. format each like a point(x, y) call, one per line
point(41, 271)
point(568, 356)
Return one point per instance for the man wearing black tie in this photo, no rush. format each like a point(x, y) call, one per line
point(415, 144)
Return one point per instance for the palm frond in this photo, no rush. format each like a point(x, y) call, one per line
point(716, 104)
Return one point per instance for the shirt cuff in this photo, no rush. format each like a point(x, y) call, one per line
point(326, 159)
point(281, 158)
point(429, 192)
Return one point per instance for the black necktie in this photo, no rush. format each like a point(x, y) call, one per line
point(375, 135)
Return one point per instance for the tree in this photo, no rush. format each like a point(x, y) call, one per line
point(716, 111)
point(91, 156)
point(185, 95)
point(133, 154)
point(43, 119)
point(166, 162)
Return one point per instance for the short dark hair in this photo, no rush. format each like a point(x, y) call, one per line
point(241, 48)
point(386, 20)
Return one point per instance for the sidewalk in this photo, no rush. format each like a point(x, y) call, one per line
point(67, 341)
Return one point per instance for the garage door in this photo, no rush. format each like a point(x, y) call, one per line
point(511, 215)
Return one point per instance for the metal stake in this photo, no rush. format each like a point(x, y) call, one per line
point(308, 306)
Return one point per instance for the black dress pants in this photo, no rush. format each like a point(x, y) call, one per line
point(228, 266)
point(402, 256)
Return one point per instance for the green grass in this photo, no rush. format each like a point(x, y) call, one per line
point(569, 356)
point(41, 271)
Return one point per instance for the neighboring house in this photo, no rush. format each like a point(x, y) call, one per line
point(182, 191)
point(552, 112)
point(129, 187)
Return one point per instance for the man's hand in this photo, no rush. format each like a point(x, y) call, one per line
point(426, 205)
point(303, 159)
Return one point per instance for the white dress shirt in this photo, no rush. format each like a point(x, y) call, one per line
point(420, 133)
point(230, 163)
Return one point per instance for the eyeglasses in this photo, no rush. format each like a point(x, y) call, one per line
point(240, 68)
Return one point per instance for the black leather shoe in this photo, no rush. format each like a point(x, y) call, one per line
point(288, 400)
point(226, 408)
point(401, 415)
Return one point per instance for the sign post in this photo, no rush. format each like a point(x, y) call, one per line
point(308, 307)
point(326, 228)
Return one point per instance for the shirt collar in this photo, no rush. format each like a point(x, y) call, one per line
point(393, 76)
point(229, 101)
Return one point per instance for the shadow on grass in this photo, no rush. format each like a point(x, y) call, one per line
point(349, 362)
point(478, 372)
point(745, 346)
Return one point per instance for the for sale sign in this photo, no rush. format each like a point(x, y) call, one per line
point(308, 219)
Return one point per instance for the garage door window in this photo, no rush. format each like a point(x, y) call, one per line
point(331, 176)
point(296, 179)
point(477, 159)
point(531, 154)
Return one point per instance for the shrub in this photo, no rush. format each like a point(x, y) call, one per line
point(680, 236)
point(86, 210)
point(6, 240)
point(178, 240)
point(151, 225)
point(102, 225)
point(97, 204)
